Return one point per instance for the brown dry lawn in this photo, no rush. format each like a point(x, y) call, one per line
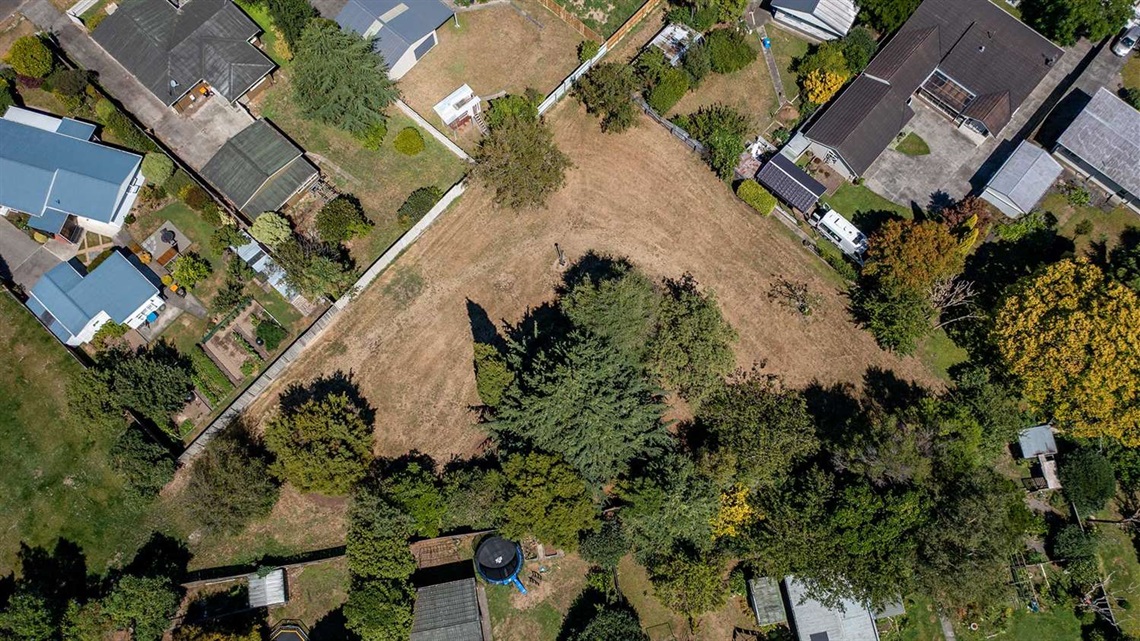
point(749, 91)
point(637, 194)
point(499, 48)
point(12, 28)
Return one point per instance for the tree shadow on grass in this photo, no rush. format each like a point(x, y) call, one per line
point(339, 382)
point(58, 575)
point(332, 627)
point(161, 556)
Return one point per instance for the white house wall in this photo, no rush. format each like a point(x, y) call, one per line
point(408, 60)
point(806, 23)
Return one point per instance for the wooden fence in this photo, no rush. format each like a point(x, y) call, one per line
point(681, 134)
point(628, 25)
point(571, 20)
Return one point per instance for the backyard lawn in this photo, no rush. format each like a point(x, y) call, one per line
point(864, 207)
point(1131, 73)
point(55, 473)
point(1118, 556)
point(603, 16)
point(749, 91)
point(380, 179)
point(271, 38)
point(1106, 225)
point(787, 47)
point(537, 615)
point(920, 623)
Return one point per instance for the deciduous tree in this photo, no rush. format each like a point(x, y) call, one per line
point(190, 269)
point(380, 610)
point(887, 15)
point(612, 624)
point(1065, 333)
point(1064, 21)
point(342, 219)
point(605, 91)
point(230, 484)
point(30, 57)
point(271, 228)
point(689, 586)
point(144, 605)
point(1087, 478)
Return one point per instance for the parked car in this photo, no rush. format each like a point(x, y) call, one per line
point(1126, 42)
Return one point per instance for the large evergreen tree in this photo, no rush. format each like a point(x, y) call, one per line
point(324, 445)
point(520, 161)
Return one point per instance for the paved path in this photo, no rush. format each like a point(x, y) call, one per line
point(947, 627)
point(194, 139)
point(773, 68)
point(22, 260)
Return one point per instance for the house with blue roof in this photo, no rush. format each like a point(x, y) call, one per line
point(52, 170)
point(403, 31)
point(74, 304)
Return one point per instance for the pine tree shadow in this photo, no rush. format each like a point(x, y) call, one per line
point(161, 556)
point(332, 627)
point(339, 382)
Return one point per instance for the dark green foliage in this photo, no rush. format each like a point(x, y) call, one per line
point(722, 130)
point(547, 499)
point(128, 132)
point(605, 91)
point(322, 445)
point(1064, 21)
point(519, 159)
point(474, 498)
point(415, 491)
point(418, 204)
point(689, 586)
point(154, 383)
point(291, 16)
point(582, 398)
point(377, 542)
point(612, 624)
point(587, 49)
point(225, 237)
point(698, 15)
point(859, 47)
point(27, 617)
point(669, 90)
point(68, 83)
point(143, 605)
point(409, 141)
point(232, 292)
point(230, 483)
point(341, 219)
point(208, 378)
point(1124, 261)
point(492, 376)
point(887, 15)
point(757, 429)
point(7, 96)
point(270, 334)
point(1129, 95)
point(650, 67)
point(315, 268)
point(667, 508)
point(513, 107)
point(146, 465)
point(692, 350)
point(380, 610)
point(338, 80)
point(195, 197)
point(697, 63)
point(622, 306)
point(729, 50)
point(897, 319)
point(1088, 480)
point(606, 546)
point(992, 404)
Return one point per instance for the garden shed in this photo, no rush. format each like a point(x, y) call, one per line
point(267, 589)
point(766, 601)
point(1039, 443)
point(447, 612)
point(790, 184)
point(1022, 180)
point(674, 40)
point(259, 169)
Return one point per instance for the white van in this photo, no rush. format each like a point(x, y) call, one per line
point(840, 231)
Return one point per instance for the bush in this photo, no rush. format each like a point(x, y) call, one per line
point(146, 465)
point(729, 51)
point(832, 256)
point(492, 375)
point(587, 49)
point(1083, 228)
point(128, 133)
point(409, 141)
point(190, 269)
point(194, 196)
point(701, 18)
point(69, 83)
point(226, 236)
point(1088, 480)
point(271, 228)
point(230, 484)
point(104, 110)
point(673, 86)
point(270, 333)
point(7, 98)
point(30, 57)
point(1131, 96)
point(212, 214)
point(756, 196)
point(1076, 195)
point(157, 167)
point(341, 219)
point(418, 204)
point(697, 63)
point(606, 546)
point(108, 331)
point(373, 137)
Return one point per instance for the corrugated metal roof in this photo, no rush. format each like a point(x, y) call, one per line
point(1036, 441)
point(1106, 135)
point(838, 14)
point(447, 612)
point(1023, 178)
point(259, 169)
point(401, 28)
point(203, 40)
point(43, 170)
point(790, 184)
point(116, 287)
point(813, 620)
point(267, 590)
point(767, 602)
point(258, 260)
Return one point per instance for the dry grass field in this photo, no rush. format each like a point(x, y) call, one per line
point(749, 91)
point(638, 194)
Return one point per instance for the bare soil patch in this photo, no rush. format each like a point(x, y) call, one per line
point(638, 194)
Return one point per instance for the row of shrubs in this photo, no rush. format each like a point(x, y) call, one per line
point(722, 51)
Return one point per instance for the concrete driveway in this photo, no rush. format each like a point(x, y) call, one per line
point(913, 180)
point(22, 259)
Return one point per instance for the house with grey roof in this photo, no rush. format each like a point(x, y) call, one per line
point(174, 49)
point(447, 612)
point(1103, 143)
point(820, 19)
point(1023, 180)
point(259, 169)
point(52, 170)
point(73, 304)
point(968, 59)
point(403, 31)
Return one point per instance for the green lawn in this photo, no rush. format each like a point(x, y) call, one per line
point(541, 622)
point(603, 16)
point(939, 354)
point(787, 47)
point(314, 591)
point(1023, 625)
point(1131, 73)
point(1106, 225)
point(54, 472)
point(270, 36)
point(1118, 556)
point(381, 179)
point(913, 145)
point(1009, 8)
point(864, 207)
point(919, 624)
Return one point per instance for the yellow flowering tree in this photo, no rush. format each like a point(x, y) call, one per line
point(1073, 338)
point(821, 85)
point(734, 512)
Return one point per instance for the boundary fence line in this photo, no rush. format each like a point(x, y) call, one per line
point(435, 133)
point(571, 20)
point(692, 143)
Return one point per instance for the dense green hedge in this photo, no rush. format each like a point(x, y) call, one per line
point(729, 51)
point(673, 86)
point(756, 196)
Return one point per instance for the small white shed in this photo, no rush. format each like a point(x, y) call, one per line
point(674, 40)
point(266, 590)
point(1023, 180)
point(459, 107)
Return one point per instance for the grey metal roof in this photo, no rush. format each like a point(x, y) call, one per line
point(117, 286)
point(767, 603)
point(256, 257)
point(790, 184)
point(267, 590)
point(447, 612)
point(1023, 179)
point(202, 40)
point(1036, 441)
point(1106, 135)
point(813, 621)
point(259, 169)
point(43, 171)
point(838, 14)
point(403, 22)
point(983, 48)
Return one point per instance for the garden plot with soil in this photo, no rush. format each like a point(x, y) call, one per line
point(235, 343)
point(637, 194)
